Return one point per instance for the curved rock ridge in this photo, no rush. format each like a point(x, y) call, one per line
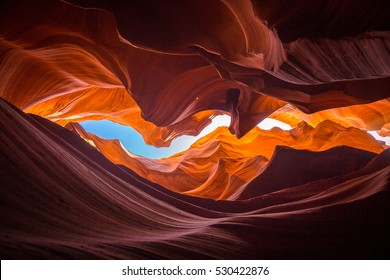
point(47, 51)
point(372, 116)
point(118, 106)
point(328, 19)
point(51, 64)
point(314, 166)
point(166, 68)
point(219, 166)
point(60, 198)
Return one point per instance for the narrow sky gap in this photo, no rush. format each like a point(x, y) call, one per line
point(135, 144)
point(380, 138)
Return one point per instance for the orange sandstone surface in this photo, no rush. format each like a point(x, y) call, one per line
point(166, 68)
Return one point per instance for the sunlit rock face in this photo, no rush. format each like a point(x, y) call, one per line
point(219, 166)
point(319, 190)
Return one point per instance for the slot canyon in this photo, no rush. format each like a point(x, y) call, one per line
point(319, 190)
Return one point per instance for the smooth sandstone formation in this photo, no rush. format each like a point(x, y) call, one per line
point(320, 190)
point(60, 199)
point(219, 166)
point(247, 74)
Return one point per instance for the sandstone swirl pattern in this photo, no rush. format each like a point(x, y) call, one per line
point(319, 190)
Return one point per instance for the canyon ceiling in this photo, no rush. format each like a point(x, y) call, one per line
point(166, 68)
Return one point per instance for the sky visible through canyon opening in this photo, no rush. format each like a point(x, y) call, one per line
point(134, 143)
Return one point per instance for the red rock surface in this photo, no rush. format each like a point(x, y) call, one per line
point(60, 198)
point(319, 190)
point(219, 166)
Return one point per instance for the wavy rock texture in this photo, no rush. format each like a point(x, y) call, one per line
point(166, 68)
point(219, 165)
point(372, 116)
point(62, 199)
point(210, 70)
